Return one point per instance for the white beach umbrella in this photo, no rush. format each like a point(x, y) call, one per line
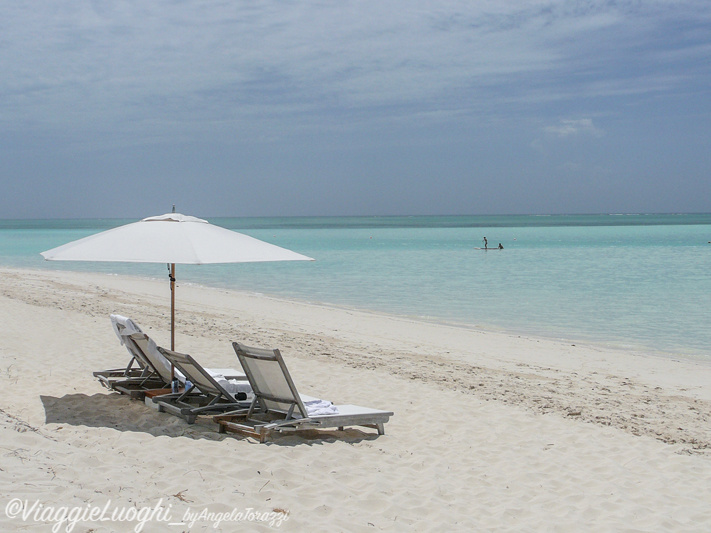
point(172, 239)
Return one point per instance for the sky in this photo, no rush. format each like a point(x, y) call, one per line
point(120, 109)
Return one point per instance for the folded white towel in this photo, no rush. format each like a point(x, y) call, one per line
point(318, 407)
point(233, 386)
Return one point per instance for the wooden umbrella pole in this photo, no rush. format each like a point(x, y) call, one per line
point(172, 306)
point(172, 310)
point(172, 316)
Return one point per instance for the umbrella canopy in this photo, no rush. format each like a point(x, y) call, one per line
point(173, 239)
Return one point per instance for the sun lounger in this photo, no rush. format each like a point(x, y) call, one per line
point(206, 393)
point(138, 367)
point(277, 405)
point(156, 373)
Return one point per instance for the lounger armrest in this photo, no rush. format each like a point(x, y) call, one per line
point(169, 396)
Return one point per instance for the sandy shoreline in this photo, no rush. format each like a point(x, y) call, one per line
point(491, 431)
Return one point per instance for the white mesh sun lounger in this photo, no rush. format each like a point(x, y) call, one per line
point(278, 406)
point(124, 327)
point(156, 372)
point(205, 395)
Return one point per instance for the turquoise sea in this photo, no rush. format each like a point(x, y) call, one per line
point(632, 281)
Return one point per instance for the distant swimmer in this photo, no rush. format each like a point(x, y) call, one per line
point(501, 246)
point(486, 244)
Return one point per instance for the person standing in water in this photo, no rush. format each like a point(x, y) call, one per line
point(486, 244)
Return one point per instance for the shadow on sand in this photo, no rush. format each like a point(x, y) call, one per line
point(116, 411)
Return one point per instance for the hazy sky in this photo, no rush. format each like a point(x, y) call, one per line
point(228, 108)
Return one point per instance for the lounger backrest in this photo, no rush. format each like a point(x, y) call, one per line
point(270, 379)
point(195, 373)
point(143, 348)
point(150, 352)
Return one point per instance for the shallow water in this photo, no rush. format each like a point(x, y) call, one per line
point(635, 281)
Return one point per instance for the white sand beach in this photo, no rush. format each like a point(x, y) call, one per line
point(491, 431)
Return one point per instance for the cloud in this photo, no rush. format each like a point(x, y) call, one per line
point(128, 71)
point(573, 127)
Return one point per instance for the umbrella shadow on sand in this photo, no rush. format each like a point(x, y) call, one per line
point(119, 412)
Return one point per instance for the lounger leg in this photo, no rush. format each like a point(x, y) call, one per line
point(381, 429)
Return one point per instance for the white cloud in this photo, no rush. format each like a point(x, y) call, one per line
point(573, 127)
point(136, 66)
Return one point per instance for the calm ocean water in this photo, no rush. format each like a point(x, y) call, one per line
point(632, 281)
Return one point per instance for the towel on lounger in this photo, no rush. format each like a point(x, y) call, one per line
point(129, 327)
point(233, 386)
point(318, 407)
